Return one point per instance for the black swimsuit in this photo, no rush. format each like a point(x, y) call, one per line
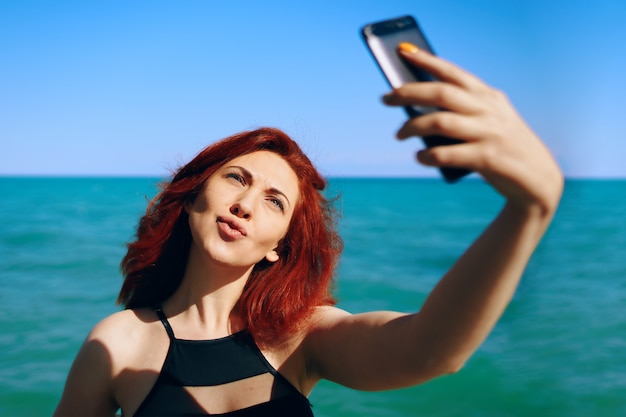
point(202, 375)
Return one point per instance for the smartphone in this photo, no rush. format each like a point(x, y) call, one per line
point(382, 39)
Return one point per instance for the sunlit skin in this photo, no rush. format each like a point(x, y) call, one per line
point(237, 220)
point(243, 212)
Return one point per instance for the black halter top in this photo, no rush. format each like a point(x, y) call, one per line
point(214, 377)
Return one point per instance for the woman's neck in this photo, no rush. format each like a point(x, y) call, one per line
point(204, 304)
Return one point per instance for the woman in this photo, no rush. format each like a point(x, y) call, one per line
point(226, 289)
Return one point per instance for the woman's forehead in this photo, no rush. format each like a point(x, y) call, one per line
point(269, 168)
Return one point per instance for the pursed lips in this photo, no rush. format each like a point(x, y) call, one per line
point(231, 228)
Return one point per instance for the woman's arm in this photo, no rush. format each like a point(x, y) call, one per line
point(384, 350)
point(88, 390)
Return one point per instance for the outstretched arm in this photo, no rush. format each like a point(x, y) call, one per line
point(383, 350)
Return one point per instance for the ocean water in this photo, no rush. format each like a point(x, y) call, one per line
point(559, 349)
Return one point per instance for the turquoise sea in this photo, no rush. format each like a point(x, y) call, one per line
point(559, 349)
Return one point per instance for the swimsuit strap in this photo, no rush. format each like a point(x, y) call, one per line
point(166, 324)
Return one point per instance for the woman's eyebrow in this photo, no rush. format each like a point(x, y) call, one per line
point(249, 176)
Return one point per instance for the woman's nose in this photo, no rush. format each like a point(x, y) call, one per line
point(240, 210)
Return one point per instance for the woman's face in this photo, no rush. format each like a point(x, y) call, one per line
point(244, 210)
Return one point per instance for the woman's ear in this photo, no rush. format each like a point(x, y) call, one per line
point(272, 256)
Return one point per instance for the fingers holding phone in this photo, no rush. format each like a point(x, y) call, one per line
point(497, 143)
point(382, 39)
point(444, 95)
point(438, 68)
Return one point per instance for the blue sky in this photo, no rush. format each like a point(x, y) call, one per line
point(139, 87)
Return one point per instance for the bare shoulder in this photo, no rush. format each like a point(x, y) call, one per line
point(326, 318)
point(123, 334)
point(96, 383)
point(331, 327)
point(122, 323)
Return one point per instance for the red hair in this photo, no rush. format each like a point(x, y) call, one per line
point(278, 296)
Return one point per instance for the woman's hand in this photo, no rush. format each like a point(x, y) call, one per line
point(498, 144)
point(382, 350)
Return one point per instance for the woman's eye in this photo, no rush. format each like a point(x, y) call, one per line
point(278, 203)
point(236, 177)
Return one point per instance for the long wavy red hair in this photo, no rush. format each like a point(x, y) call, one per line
point(278, 296)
